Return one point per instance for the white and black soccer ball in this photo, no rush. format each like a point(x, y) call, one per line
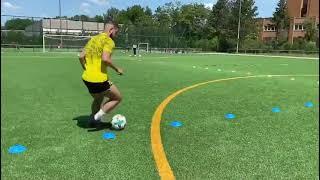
point(118, 122)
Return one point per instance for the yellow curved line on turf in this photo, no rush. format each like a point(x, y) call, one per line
point(159, 155)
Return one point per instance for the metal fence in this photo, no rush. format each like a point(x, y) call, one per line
point(15, 32)
point(22, 33)
point(23, 30)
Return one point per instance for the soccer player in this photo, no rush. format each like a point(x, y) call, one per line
point(94, 59)
point(134, 47)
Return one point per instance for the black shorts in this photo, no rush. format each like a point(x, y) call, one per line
point(95, 88)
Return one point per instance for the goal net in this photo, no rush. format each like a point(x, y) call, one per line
point(143, 48)
point(63, 43)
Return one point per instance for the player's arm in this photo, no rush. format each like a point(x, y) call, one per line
point(82, 59)
point(106, 58)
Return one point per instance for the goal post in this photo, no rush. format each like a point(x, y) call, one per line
point(53, 42)
point(145, 45)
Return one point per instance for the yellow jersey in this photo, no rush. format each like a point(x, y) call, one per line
point(96, 70)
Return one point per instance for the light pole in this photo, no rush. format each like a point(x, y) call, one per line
point(239, 26)
point(60, 22)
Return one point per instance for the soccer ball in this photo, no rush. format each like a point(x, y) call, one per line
point(118, 122)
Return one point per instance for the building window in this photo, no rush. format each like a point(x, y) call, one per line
point(304, 8)
point(298, 27)
point(269, 28)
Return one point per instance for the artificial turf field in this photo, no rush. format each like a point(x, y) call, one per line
point(45, 106)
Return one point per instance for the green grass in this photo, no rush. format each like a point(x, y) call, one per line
point(45, 106)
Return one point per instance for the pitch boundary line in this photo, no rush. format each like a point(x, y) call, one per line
point(260, 55)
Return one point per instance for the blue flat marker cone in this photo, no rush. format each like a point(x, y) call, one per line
point(108, 135)
point(17, 149)
point(230, 116)
point(276, 109)
point(176, 124)
point(308, 104)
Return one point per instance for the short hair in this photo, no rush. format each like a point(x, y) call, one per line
point(115, 24)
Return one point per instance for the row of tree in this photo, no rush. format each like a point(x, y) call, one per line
point(191, 25)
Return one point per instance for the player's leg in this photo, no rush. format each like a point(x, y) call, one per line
point(97, 91)
point(96, 103)
point(95, 107)
point(134, 51)
point(114, 99)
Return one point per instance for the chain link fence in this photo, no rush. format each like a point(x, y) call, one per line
point(55, 34)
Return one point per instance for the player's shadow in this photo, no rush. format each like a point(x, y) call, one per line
point(82, 122)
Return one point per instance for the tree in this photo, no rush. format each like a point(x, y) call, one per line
point(62, 17)
point(165, 21)
point(132, 15)
point(98, 18)
point(84, 18)
point(15, 37)
point(135, 13)
point(310, 30)
point(167, 15)
point(219, 23)
point(148, 11)
point(17, 24)
point(163, 17)
point(75, 18)
point(147, 19)
point(281, 18)
point(112, 14)
point(193, 18)
point(248, 28)
point(80, 18)
point(123, 18)
point(219, 17)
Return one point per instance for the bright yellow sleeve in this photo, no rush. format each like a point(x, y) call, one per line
point(108, 47)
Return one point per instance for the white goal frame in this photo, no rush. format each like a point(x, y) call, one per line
point(143, 44)
point(55, 36)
